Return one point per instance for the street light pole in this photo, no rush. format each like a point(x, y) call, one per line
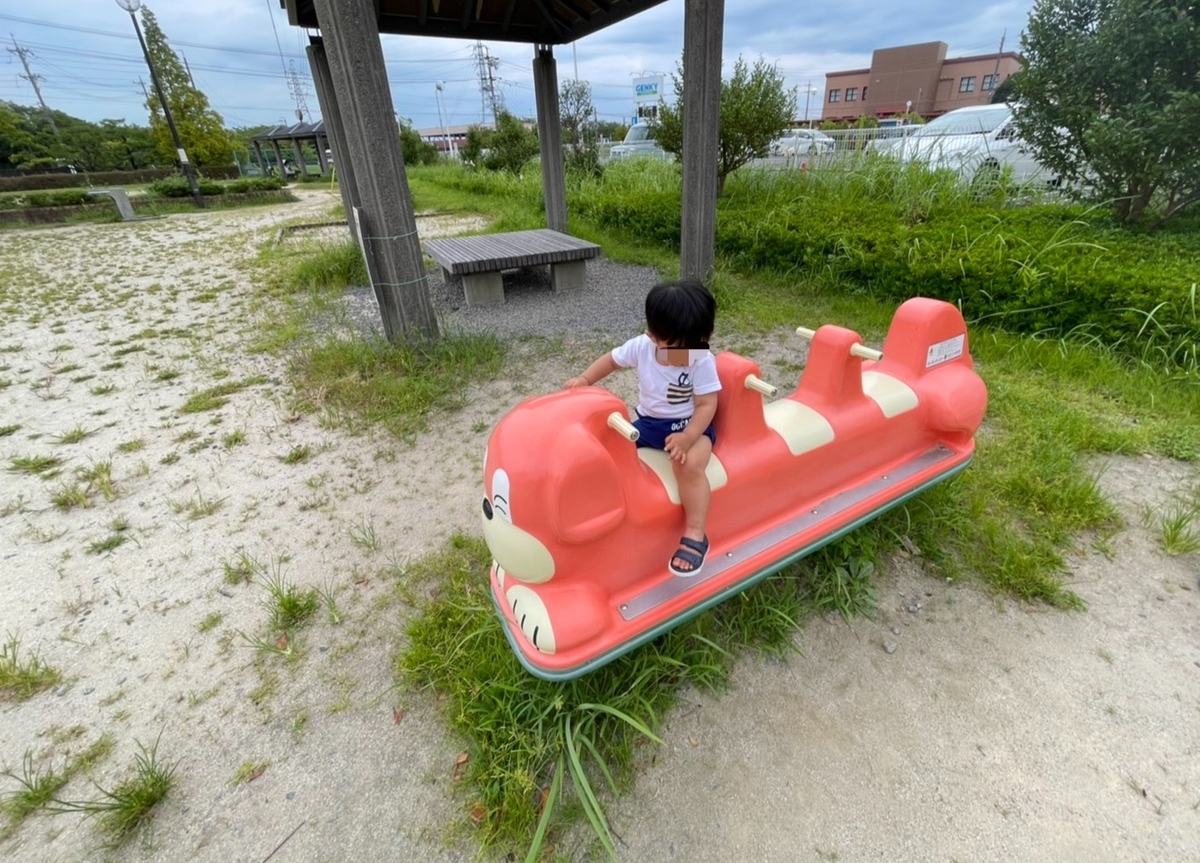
point(132, 6)
point(440, 96)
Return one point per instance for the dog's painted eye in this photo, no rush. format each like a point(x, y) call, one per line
point(501, 504)
point(487, 509)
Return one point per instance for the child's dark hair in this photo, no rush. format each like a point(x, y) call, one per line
point(681, 313)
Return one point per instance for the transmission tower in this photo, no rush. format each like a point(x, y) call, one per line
point(490, 97)
point(33, 79)
point(298, 90)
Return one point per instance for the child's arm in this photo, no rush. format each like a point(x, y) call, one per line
point(595, 373)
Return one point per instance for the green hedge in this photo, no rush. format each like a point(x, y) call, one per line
point(32, 182)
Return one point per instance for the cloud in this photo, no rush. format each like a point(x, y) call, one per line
point(89, 62)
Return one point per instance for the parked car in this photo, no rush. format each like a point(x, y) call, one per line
point(977, 142)
point(889, 139)
point(802, 142)
point(639, 143)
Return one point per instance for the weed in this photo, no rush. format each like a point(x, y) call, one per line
point(131, 445)
point(169, 458)
point(40, 465)
point(75, 435)
point(21, 678)
point(38, 788)
point(290, 606)
point(196, 507)
point(69, 496)
point(216, 397)
point(99, 478)
point(5, 431)
point(248, 771)
point(363, 534)
point(233, 439)
point(1176, 524)
point(103, 389)
point(167, 375)
point(242, 568)
point(328, 595)
point(131, 802)
point(296, 455)
point(211, 621)
point(103, 546)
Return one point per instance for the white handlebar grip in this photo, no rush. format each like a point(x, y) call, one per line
point(865, 353)
point(623, 427)
point(805, 332)
point(753, 382)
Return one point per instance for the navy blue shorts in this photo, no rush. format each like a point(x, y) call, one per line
point(653, 431)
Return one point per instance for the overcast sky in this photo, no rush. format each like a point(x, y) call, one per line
point(88, 62)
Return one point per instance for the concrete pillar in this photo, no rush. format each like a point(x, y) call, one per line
point(258, 155)
point(301, 166)
point(278, 159)
point(331, 113)
point(321, 160)
point(554, 181)
point(703, 31)
point(388, 228)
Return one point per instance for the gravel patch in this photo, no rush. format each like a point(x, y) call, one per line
point(612, 304)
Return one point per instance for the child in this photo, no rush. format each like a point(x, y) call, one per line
point(677, 398)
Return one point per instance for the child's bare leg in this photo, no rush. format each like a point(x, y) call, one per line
point(694, 493)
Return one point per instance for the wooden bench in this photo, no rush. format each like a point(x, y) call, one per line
point(120, 199)
point(479, 260)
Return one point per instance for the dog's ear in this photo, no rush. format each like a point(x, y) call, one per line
point(586, 493)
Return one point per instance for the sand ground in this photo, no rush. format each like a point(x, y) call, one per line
point(992, 730)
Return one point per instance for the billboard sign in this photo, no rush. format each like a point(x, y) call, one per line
point(647, 89)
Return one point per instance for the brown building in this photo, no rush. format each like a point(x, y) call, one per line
point(916, 74)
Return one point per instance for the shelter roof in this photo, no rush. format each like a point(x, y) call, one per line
point(555, 22)
point(295, 130)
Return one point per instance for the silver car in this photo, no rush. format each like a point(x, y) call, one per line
point(639, 143)
point(802, 142)
point(976, 142)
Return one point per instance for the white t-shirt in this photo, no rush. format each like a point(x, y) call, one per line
point(666, 392)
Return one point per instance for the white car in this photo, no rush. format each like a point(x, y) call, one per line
point(802, 142)
point(976, 142)
point(639, 143)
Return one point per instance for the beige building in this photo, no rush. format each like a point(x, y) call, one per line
point(917, 78)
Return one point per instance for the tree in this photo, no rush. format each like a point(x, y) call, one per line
point(200, 128)
point(511, 144)
point(415, 150)
point(1109, 97)
point(755, 108)
point(1006, 92)
point(578, 126)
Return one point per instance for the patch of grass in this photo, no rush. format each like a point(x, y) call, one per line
point(196, 507)
point(23, 677)
point(169, 458)
point(37, 788)
point(248, 771)
point(131, 802)
point(364, 534)
point(168, 375)
point(210, 622)
point(39, 465)
point(290, 606)
point(1176, 526)
point(218, 396)
point(75, 435)
point(131, 445)
point(242, 568)
point(67, 497)
point(109, 543)
point(103, 389)
point(536, 748)
point(235, 438)
point(7, 430)
point(98, 477)
point(395, 385)
point(296, 455)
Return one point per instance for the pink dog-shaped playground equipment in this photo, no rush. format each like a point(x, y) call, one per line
point(581, 522)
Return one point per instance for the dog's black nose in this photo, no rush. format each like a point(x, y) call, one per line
point(487, 509)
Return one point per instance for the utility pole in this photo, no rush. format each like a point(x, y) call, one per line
point(996, 74)
point(189, 69)
point(33, 79)
point(131, 6)
point(145, 92)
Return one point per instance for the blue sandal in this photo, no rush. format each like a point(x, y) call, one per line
point(695, 557)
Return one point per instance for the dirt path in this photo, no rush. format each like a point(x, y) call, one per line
point(992, 732)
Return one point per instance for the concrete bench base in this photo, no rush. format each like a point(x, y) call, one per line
point(120, 199)
point(479, 260)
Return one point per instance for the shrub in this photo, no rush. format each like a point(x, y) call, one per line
point(254, 184)
point(177, 186)
point(57, 198)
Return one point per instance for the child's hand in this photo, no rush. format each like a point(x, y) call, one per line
point(677, 446)
point(577, 381)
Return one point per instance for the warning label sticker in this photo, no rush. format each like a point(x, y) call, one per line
point(943, 352)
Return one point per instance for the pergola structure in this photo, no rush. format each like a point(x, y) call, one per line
point(356, 103)
point(293, 136)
